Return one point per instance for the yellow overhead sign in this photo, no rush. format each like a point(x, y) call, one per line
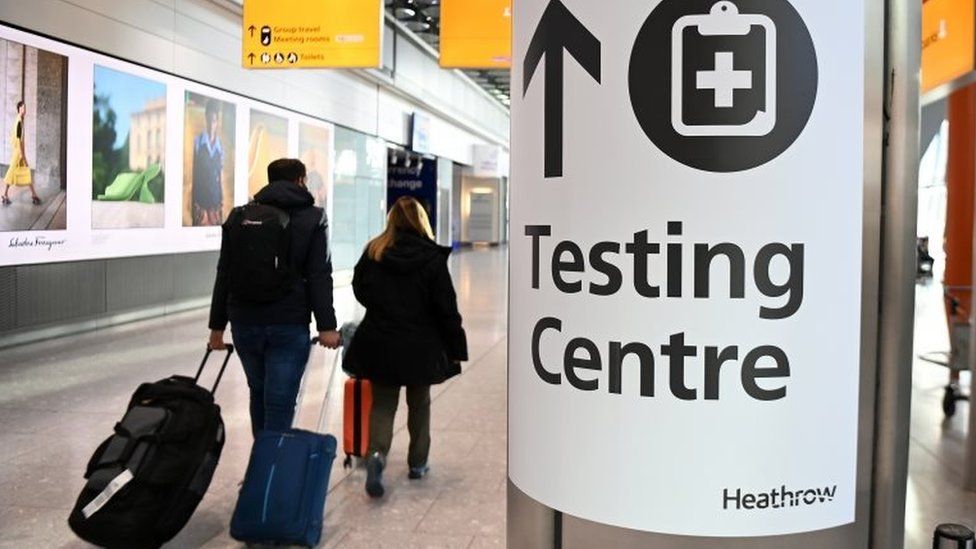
point(948, 41)
point(476, 34)
point(288, 34)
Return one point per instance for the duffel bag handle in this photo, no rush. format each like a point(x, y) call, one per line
point(220, 375)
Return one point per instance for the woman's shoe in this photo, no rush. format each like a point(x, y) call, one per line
point(129, 186)
point(6, 201)
point(417, 473)
point(374, 475)
point(36, 200)
point(123, 187)
point(145, 195)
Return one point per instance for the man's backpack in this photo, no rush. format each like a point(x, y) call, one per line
point(259, 236)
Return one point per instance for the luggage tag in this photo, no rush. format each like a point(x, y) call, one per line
point(113, 488)
point(723, 20)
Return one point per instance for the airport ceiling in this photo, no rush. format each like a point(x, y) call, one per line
point(422, 17)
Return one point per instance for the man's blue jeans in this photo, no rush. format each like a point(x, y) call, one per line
point(274, 358)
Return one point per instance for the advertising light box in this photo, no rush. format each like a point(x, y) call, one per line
point(476, 34)
point(294, 34)
point(126, 161)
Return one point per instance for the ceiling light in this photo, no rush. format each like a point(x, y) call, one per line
point(418, 23)
point(404, 9)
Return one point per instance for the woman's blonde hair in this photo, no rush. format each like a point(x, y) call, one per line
point(407, 215)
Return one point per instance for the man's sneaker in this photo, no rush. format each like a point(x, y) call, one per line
point(374, 475)
point(417, 473)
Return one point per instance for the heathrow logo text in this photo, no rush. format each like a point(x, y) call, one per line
point(778, 498)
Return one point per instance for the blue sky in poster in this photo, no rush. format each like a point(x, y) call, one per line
point(128, 94)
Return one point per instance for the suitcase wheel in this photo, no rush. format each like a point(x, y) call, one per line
point(949, 402)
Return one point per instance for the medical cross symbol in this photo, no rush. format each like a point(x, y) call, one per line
point(724, 80)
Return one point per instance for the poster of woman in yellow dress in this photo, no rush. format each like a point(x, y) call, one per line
point(32, 138)
point(19, 174)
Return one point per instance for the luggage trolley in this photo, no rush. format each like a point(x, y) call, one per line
point(957, 359)
point(925, 263)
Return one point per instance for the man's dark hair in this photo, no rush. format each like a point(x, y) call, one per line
point(286, 169)
point(20, 104)
point(210, 109)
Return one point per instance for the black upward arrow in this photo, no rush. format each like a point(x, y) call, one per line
point(252, 29)
point(250, 57)
point(558, 30)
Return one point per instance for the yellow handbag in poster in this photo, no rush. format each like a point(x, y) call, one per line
point(18, 175)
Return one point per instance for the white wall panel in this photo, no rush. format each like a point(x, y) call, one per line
point(450, 142)
point(447, 92)
point(394, 119)
point(195, 34)
point(410, 68)
point(76, 22)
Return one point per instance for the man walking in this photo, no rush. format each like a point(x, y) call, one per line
point(274, 272)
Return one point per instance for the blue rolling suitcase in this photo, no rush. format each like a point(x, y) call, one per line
point(282, 500)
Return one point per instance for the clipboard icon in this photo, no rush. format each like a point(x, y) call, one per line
point(724, 20)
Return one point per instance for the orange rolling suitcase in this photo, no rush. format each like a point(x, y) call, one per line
point(357, 404)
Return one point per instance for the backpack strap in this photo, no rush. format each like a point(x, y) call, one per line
point(234, 216)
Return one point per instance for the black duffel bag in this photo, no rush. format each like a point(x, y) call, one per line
point(146, 480)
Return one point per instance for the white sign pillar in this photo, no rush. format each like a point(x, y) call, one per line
point(690, 182)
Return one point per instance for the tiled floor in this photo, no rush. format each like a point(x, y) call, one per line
point(937, 452)
point(59, 398)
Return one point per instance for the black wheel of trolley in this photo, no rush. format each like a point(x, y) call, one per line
point(949, 401)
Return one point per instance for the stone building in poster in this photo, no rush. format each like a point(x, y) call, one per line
point(147, 135)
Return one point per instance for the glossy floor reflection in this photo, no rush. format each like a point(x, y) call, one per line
point(58, 400)
point(938, 445)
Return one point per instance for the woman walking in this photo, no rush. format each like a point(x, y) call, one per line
point(411, 335)
point(18, 174)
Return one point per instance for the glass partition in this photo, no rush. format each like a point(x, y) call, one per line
point(359, 199)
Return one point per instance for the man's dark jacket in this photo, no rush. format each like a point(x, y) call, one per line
point(411, 334)
point(312, 293)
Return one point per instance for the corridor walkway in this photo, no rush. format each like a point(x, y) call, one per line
point(59, 399)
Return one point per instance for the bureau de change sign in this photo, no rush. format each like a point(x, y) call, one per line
point(686, 262)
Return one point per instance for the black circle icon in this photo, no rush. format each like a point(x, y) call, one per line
point(723, 86)
point(279, 58)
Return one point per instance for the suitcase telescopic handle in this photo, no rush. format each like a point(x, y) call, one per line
point(223, 367)
point(323, 411)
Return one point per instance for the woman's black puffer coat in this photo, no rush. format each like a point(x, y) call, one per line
point(411, 334)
